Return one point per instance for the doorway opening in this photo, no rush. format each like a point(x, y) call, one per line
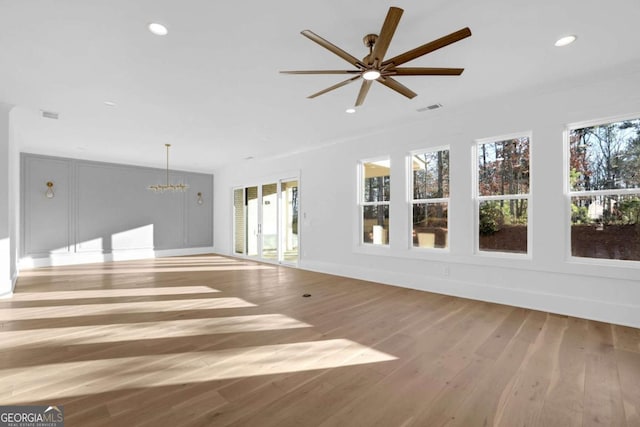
point(265, 221)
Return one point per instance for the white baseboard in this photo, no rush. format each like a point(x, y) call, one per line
point(603, 311)
point(94, 257)
point(184, 252)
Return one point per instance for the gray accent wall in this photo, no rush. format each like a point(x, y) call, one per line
point(104, 208)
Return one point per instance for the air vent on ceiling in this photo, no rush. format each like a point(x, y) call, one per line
point(50, 115)
point(429, 107)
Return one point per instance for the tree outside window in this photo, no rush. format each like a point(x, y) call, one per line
point(430, 200)
point(374, 200)
point(503, 195)
point(604, 190)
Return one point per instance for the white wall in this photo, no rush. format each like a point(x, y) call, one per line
point(9, 182)
point(549, 280)
point(5, 267)
point(14, 200)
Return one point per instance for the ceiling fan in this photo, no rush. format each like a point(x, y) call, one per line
point(375, 68)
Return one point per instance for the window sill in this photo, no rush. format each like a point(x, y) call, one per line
point(371, 249)
point(503, 255)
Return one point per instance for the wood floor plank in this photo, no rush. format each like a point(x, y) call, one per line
point(215, 341)
point(484, 404)
point(414, 382)
point(315, 400)
point(444, 408)
point(603, 401)
point(522, 405)
point(628, 369)
point(626, 338)
point(564, 402)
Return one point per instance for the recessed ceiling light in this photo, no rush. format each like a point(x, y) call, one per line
point(563, 41)
point(350, 110)
point(110, 103)
point(371, 74)
point(158, 29)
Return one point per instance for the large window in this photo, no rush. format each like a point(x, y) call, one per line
point(604, 190)
point(430, 198)
point(503, 194)
point(374, 200)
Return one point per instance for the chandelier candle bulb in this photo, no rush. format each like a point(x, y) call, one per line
point(162, 188)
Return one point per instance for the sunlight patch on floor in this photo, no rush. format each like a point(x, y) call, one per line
point(78, 335)
point(108, 293)
point(122, 308)
point(58, 380)
point(44, 272)
point(148, 265)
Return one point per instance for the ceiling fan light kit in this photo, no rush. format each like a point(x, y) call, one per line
point(565, 41)
point(158, 29)
point(375, 68)
point(371, 75)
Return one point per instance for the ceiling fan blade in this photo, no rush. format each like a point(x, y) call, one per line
point(429, 47)
point(333, 48)
point(398, 87)
point(386, 34)
point(364, 89)
point(336, 86)
point(420, 71)
point(322, 72)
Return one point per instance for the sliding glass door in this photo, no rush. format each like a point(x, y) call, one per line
point(269, 229)
point(265, 221)
point(289, 220)
point(239, 221)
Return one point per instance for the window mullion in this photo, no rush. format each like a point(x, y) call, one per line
point(504, 197)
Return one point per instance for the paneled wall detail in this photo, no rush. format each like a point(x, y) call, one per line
point(106, 208)
point(46, 222)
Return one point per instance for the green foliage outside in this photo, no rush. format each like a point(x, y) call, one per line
point(491, 218)
point(574, 177)
point(629, 211)
point(617, 210)
point(605, 157)
point(497, 213)
point(579, 214)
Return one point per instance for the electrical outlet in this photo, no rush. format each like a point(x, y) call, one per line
point(445, 270)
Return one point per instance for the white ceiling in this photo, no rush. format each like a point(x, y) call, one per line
point(211, 87)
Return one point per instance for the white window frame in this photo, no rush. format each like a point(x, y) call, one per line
point(590, 193)
point(479, 199)
point(362, 203)
point(412, 201)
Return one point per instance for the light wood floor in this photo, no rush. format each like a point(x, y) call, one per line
point(212, 341)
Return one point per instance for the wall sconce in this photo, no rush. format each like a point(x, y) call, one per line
point(199, 199)
point(49, 194)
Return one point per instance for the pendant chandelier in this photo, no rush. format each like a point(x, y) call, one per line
point(161, 188)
